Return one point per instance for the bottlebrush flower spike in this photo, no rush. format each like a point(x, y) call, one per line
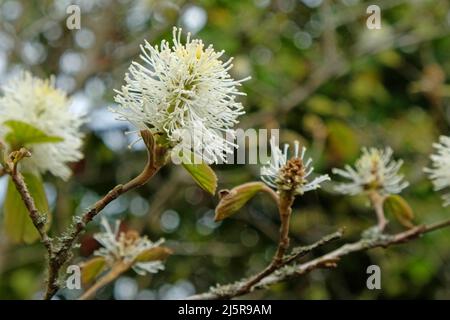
point(374, 170)
point(292, 174)
point(34, 114)
point(127, 247)
point(184, 95)
point(439, 173)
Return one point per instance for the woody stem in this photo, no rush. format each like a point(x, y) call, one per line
point(377, 200)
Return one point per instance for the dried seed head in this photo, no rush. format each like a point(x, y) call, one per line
point(291, 175)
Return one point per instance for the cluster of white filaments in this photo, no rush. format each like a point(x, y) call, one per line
point(374, 170)
point(183, 94)
point(439, 172)
point(290, 174)
point(126, 246)
point(39, 104)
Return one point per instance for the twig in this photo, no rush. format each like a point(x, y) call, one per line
point(36, 217)
point(237, 289)
point(376, 199)
point(299, 252)
point(112, 275)
point(284, 207)
point(156, 160)
point(59, 252)
point(10, 168)
point(328, 260)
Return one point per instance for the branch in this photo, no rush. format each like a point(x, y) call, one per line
point(299, 252)
point(10, 168)
point(156, 159)
point(328, 260)
point(242, 287)
point(59, 253)
point(284, 207)
point(33, 212)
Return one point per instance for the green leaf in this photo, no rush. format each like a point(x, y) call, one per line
point(22, 134)
point(202, 174)
point(232, 201)
point(17, 222)
point(91, 269)
point(154, 254)
point(398, 207)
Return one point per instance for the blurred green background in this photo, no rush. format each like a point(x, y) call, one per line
point(318, 73)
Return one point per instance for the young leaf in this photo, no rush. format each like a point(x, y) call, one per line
point(154, 254)
point(23, 134)
point(202, 174)
point(91, 269)
point(17, 222)
point(236, 198)
point(397, 206)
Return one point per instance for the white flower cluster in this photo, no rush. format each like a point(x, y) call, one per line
point(439, 172)
point(374, 170)
point(120, 246)
point(39, 104)
point(184, 95)
point(290, 174)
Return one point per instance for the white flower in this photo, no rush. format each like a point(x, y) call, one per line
point(39, 104)
point(184, 95)
point(374, 170)
point(439, 173)
point(291, 174)
point(121, 246)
